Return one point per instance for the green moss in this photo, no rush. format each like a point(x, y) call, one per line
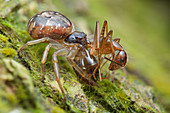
point(57, 110)
point(6, 23)
point(12, 98)
point(115, 99)
point(46, 91)
point(3, 38)
point(8, 52)
point(121, 95)
point(109, 97)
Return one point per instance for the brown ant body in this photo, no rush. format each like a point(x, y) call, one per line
point(55, 29)
point(104, 45)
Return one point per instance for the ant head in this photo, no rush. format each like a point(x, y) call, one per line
point(119, 61)
point(77, 37)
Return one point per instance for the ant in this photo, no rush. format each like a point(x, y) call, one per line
point(54, 28)
point(104, 45)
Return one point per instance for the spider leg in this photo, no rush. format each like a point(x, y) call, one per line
point(56, 69)
point(44, 58)
point(37, 41)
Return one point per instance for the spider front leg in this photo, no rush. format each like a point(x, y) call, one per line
point(36, 42)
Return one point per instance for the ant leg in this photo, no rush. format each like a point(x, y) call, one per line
point(96, 39)
point(98, 50)
point(104, 63)
point(108, 74)
point(95, 47)
point(96, 43)
point(125, 71)
point(102, 43)
point(96, 36)
point(56, 70)
point(113, 76)
point(104, 40)
point(98, 67)
point(105, 27)
point(36, 42)
point(44, 58)
point(117, 40)
point(102, 67)
point(111, 44)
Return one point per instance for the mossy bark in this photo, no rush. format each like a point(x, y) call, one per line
point(22, 88)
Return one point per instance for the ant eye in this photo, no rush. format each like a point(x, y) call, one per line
point(122, 60)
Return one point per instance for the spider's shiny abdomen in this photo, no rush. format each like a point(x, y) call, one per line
point(49, 24)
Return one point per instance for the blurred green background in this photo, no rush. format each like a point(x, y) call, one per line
point(144, 29)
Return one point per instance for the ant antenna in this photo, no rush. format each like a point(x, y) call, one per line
point(112, 61)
